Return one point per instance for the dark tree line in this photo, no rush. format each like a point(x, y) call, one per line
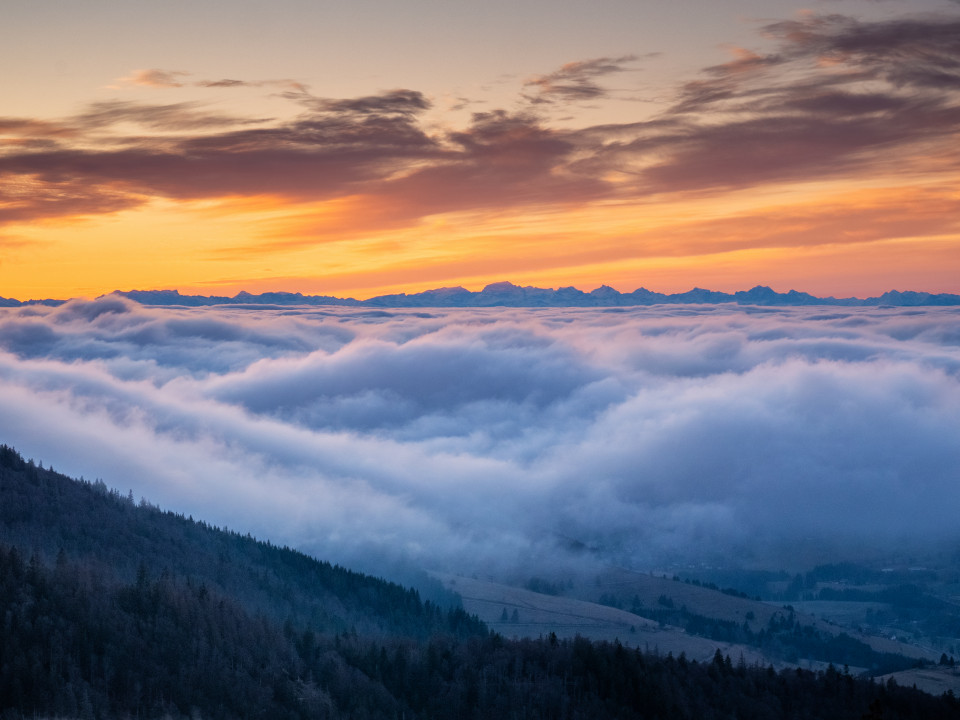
point(76, 644)
point(47, 513)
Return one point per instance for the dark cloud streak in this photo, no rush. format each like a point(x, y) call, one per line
point(804, 112)
point(174, 117)
point(577, 81)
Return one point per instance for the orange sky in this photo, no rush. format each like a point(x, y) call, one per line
point(825, 158)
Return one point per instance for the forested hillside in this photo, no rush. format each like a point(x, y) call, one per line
point(110, 609)
point(50, 515)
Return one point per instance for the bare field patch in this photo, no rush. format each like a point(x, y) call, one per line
point(934, 680)
point(649, 589)
point(539, 615)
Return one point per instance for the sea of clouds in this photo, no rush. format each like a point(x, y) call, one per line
point(502, 437)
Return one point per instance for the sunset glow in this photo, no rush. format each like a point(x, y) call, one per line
point(810, 148)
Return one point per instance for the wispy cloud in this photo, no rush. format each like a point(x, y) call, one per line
point(578, 81)
point(907, 52)
point(835, 97)
point(226, 82)
point(838, 97)
point(167, 79)
point(179, 117)
point(396, 102)
point(155, 78)
point(36, 198)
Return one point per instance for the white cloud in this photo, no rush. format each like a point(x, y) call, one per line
point(477, 437)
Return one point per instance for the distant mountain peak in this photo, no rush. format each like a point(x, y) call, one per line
point(500, 286)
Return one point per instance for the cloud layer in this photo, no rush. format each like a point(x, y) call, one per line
point(494, 438)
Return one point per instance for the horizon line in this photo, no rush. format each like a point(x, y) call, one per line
point(506, 293)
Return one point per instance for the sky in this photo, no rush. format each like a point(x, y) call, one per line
point(499, 439)
point(372, 147)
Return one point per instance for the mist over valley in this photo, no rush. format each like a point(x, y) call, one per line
point(502, 440)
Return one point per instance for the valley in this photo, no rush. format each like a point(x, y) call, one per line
point(669, 615)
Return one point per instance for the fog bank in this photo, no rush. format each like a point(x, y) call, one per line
point(476, 439)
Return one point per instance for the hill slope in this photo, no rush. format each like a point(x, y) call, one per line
point(46, 513)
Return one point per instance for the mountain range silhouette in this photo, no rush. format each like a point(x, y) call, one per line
point(506, 294)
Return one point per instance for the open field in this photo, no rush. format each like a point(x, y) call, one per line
point(541, 614)
point(935, 680)
point(520, 612)
point(630, 586)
